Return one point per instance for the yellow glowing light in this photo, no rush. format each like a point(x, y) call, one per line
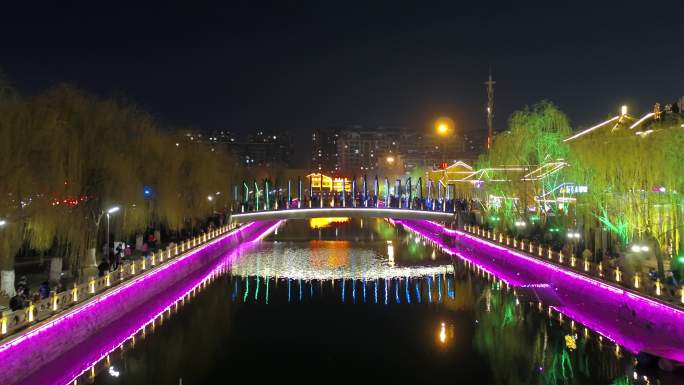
point(443, 126)
point(390, 159)
point(442, 334)
point(318, 223)
point(623, 110)
point(588, 130)
point(570, 342)
point(638, 122)
point(324, 182)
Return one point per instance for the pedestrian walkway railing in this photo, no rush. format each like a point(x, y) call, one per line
point(371, 201)
point(636, 282)
point(14, 321)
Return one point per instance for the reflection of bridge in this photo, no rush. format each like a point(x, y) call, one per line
point(419, 289)
point(351, 212)
point(373, 269)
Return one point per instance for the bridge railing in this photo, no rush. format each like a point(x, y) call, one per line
point(14, 321)
point(359, 201)
point(636, 282)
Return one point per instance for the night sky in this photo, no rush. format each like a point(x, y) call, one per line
point(294, 66)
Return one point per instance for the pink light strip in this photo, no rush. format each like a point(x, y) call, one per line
point(96, 300)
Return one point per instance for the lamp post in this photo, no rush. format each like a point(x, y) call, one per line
point(109, 212)
point(444, 127)
point(574, 237)
point(210, 198)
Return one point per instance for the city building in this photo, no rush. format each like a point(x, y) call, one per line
point(260, 149)
point(263, 149)
point(362, 150)
point(356, 149)
point(324, 151)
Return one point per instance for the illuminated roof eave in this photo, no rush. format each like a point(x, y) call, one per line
point(643, 118)
point(590, 129)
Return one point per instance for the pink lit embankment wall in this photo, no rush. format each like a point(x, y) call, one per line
point(58, 351)
point(633, 321)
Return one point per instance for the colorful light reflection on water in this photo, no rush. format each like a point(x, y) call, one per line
point(460, 324)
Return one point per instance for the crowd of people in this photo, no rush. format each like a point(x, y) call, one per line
point(124, 252)
point(24, 296)
point(115, 258)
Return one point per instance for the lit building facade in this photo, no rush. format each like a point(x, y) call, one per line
point(324, 155)
point(356, 150)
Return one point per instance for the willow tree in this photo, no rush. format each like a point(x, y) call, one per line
point(535, 137)
point(635, 181)
point(15, 180)
point(66, 157)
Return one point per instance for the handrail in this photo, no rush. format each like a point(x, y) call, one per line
point(615, 277)
point(14, 321)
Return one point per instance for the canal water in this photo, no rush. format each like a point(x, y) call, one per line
point(361, 300)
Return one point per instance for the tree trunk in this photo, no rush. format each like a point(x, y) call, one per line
point(55, 269)
point(7, 282)
point(659, 258)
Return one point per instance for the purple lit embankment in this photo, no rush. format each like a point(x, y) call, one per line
point(637, 323)
point(61, 349)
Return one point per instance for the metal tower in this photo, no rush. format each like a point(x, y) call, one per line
point(490, 109)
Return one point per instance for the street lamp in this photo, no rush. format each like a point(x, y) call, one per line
point(444, 126)
point(574, 236)
point(2, 222)
point(639, 248)
point(109, 212)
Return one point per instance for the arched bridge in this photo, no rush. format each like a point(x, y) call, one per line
point(351, 212)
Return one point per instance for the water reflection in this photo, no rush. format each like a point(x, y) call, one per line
point(526, 345)
point(318, 223)
point(421, 289)
point(341, 298)
point(331, 260)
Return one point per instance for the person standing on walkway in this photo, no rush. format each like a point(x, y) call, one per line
point(102, 268)
point(44, 290)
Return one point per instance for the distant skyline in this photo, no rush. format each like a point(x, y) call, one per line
point(289, 67)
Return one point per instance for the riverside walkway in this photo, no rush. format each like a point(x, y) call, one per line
point(50, 350)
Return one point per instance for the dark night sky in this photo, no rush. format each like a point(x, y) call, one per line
point(296, 66)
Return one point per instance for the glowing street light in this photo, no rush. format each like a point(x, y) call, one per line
point(390, 159)
point(639, 248)
point(442, 333)
point(444, 126)
point(2, 222)
point(623, 110)
point(210, 198)
point(112, 210)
